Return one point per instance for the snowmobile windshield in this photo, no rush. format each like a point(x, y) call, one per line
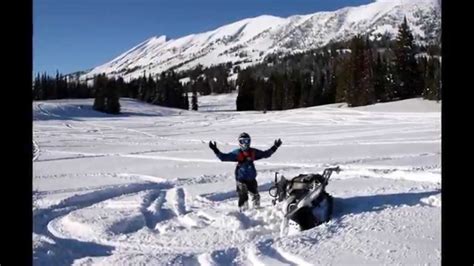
point(299, 185)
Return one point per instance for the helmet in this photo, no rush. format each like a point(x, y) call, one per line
point(244, 141)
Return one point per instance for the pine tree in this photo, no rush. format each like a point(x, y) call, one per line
point(142, 88)
point(343, 79)
point(305, 90)
point(259, 95)
point(177, 91)
point(106, 95)
point(149, 89)
point(112, 98)
point(321, 85)
point(296, 88)
point(165, 86)
point(100, 93)
point(196, 72)
point(331, 92)
point(64, 82)
point(207, 89)
point(121, 87)
point(432, 89)
point(368, 91)
point(268, 90)
point(380, 83)
point(437, 78)
point(361, 89)
point(288, 92)
point(245, 96)
point(316, 88)
point(57, 86)
point(276, 80)
point(186, 101)
point(44, 87)
point(133, 89)
point(161, 92)
point(194, 101)
point(37, 88)
point(407, 75)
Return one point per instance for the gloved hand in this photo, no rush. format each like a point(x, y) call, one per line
point(213, 146)
point(277, 143)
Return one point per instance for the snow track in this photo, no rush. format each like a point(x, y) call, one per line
point(265, 254)
point(36, 151)
point(70, 249)
point(151, 207)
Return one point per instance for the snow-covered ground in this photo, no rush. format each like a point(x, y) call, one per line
point(144, 188)
point(218, 102)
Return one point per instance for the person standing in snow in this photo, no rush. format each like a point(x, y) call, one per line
point(245, 172)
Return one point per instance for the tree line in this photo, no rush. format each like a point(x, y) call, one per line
point(360, 72)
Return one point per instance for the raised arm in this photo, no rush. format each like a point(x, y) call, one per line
point(225, 157)
point(267, 153)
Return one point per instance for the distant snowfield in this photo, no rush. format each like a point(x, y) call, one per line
point(219, 102)
point(144, 188)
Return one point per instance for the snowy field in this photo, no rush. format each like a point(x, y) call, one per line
point(143, 188)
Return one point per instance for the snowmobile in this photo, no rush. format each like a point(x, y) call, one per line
point(303, 200)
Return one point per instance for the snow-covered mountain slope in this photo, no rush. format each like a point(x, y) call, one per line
point(248, 41)
point(144, 187)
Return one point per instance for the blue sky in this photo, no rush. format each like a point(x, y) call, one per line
point(72, 35)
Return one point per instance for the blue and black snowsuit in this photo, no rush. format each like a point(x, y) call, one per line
point(245, 172)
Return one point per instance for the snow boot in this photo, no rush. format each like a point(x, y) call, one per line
point(244, 207)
